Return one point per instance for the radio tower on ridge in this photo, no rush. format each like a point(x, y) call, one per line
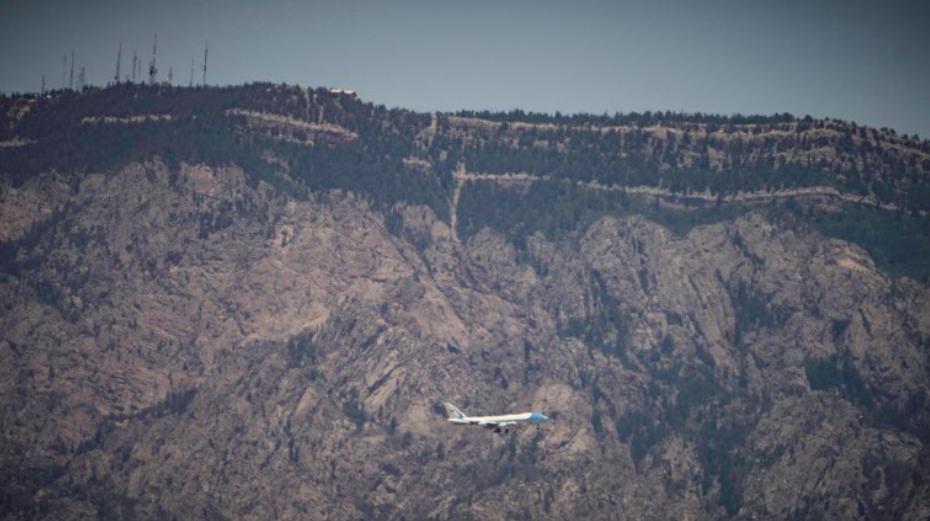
point(119, 59)
point(153, 68)
point(135, 64)
point(205, 44)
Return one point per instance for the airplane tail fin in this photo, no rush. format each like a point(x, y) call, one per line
point(453, 411)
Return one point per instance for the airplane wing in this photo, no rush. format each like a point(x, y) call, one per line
point(496, 426)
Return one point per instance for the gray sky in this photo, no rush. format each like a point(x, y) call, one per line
point(864, 61)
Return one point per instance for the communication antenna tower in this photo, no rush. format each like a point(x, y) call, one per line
point(191, 84)
point(135, 63)
point(64, 70)
point(119, 59)
point(205, 49)
point(81, 78)
point(71, 77)
point(153, 68)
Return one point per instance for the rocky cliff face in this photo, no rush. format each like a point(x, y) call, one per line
point(179, 341)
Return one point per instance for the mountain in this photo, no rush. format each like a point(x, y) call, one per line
point(248, 302)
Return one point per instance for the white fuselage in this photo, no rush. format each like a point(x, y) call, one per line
point(504, 419)
point(499, 424)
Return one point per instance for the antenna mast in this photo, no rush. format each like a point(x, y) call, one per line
point(205, 44)
point(135, 61)
point(81, 78)
point(64, 70)
point(153, 69)
point(119, 59)
point(191, 84)
point(71, 78)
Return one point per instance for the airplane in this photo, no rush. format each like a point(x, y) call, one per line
point(498, 424)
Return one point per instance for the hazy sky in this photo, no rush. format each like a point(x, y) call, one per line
point(864, 61)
